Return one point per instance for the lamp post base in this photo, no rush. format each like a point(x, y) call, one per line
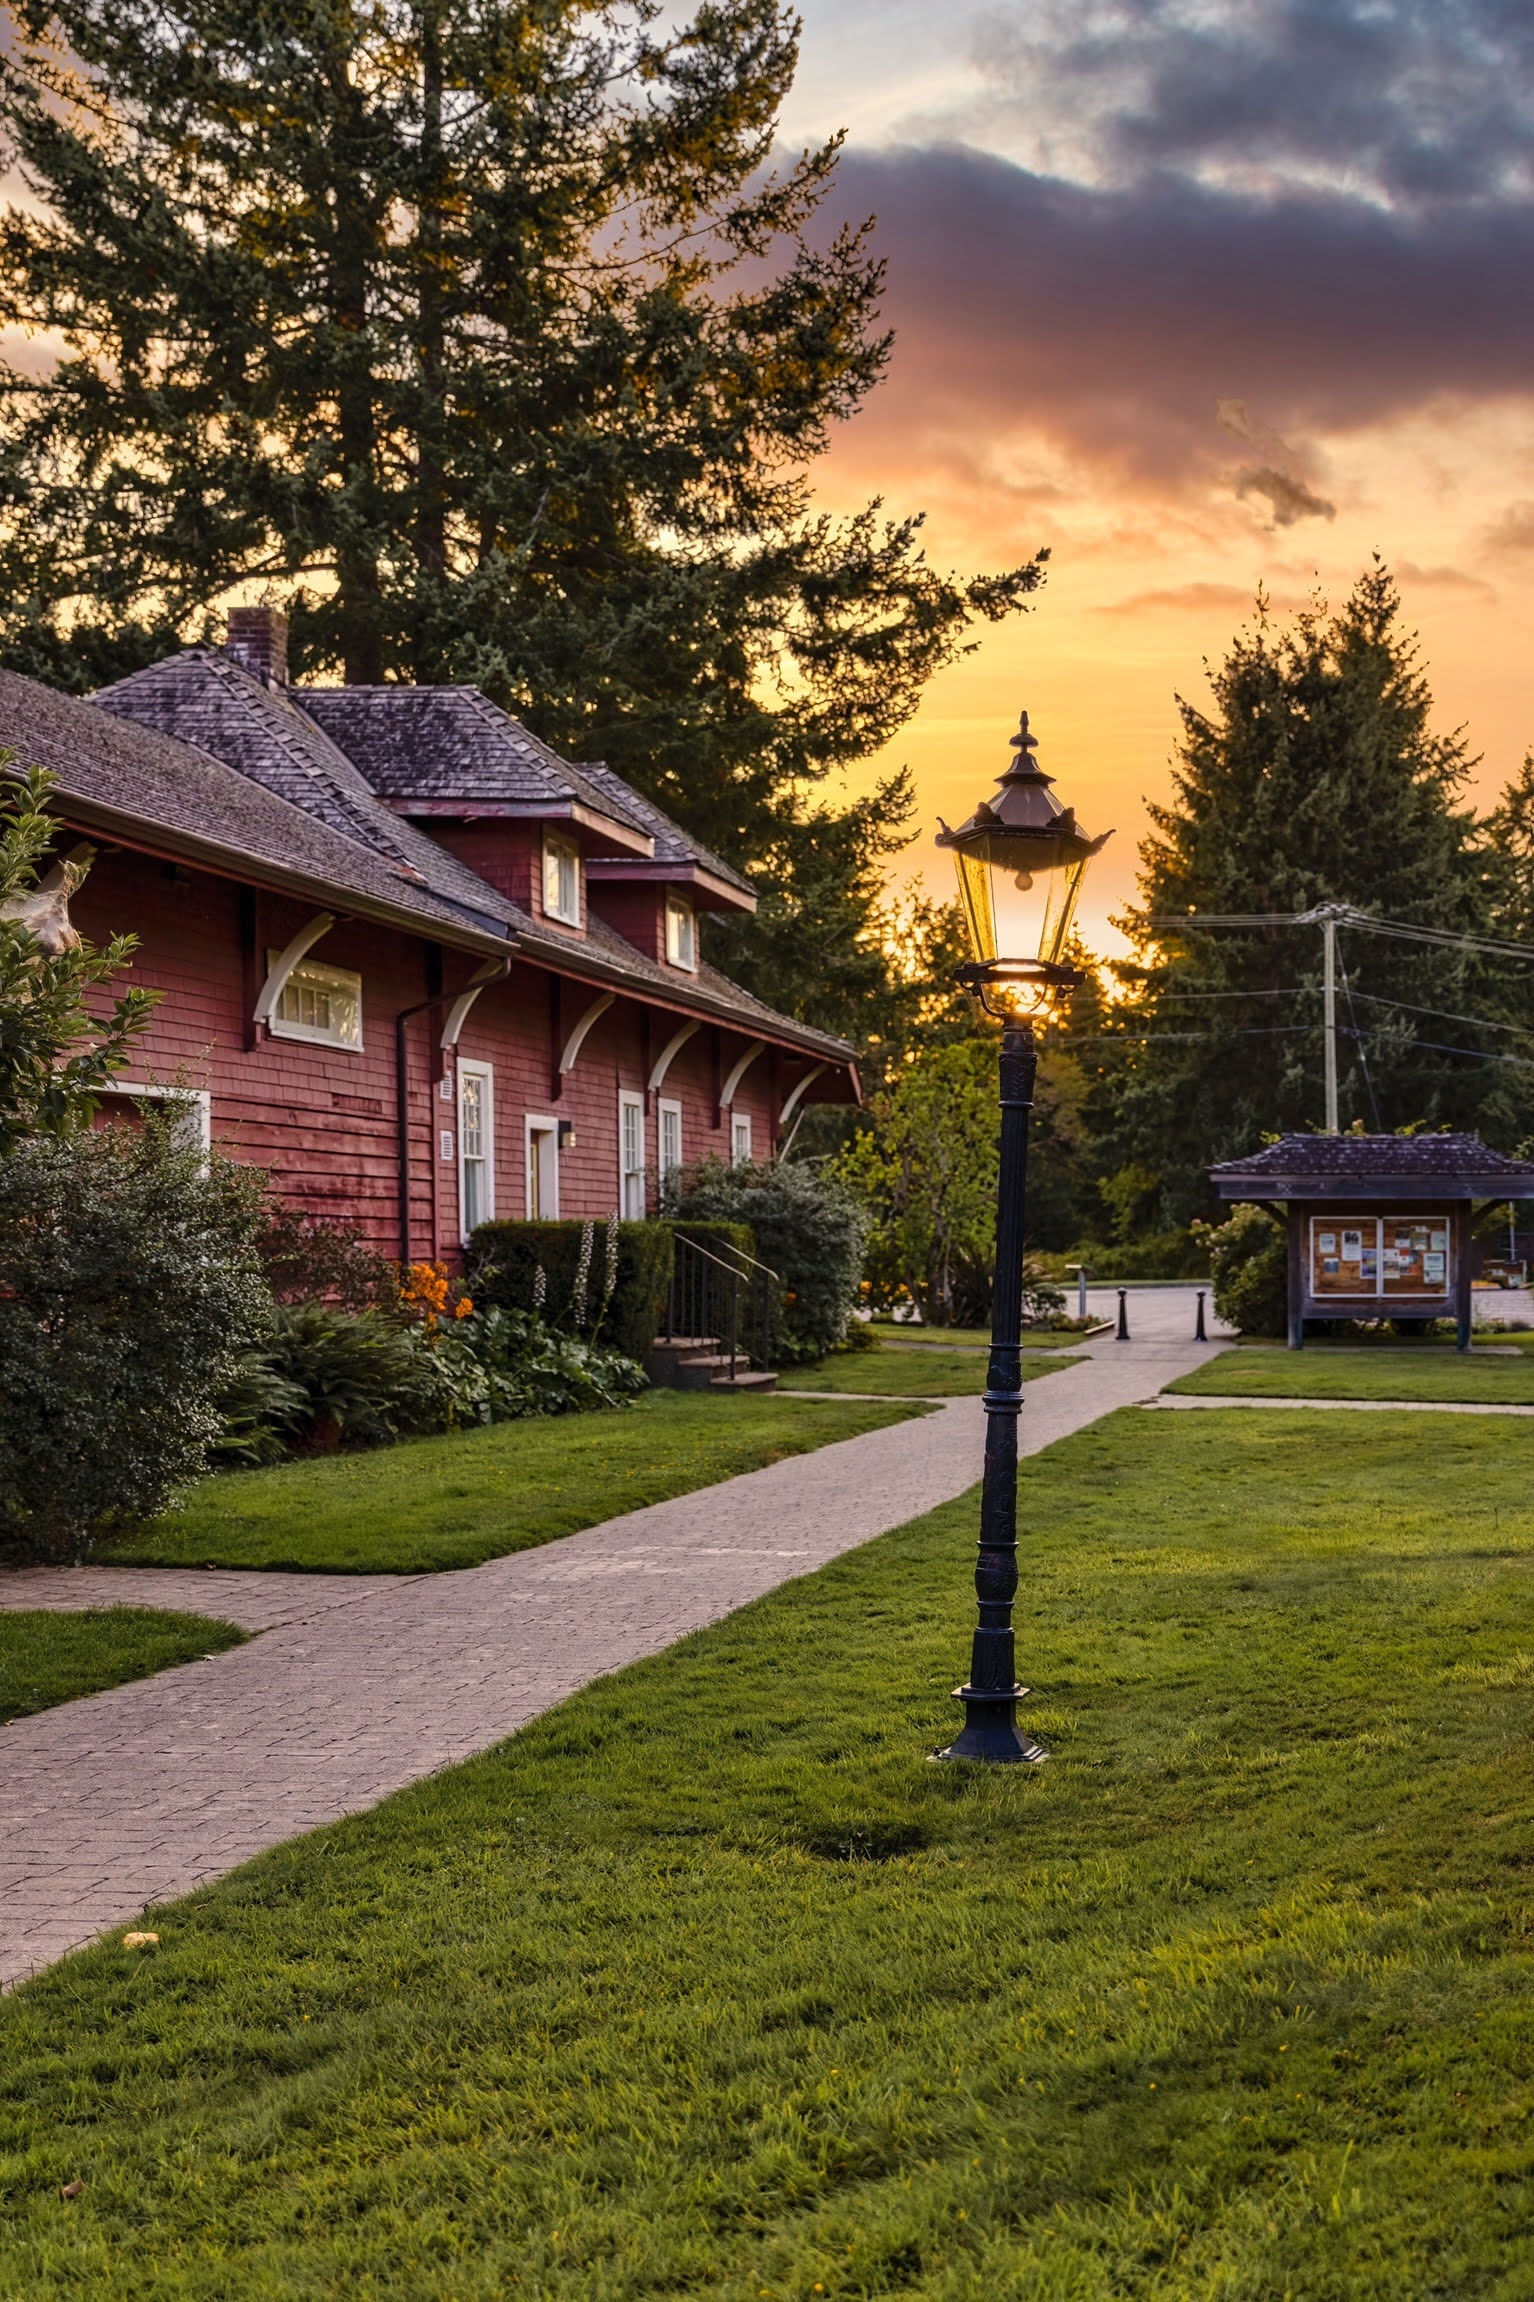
point(990, 1732)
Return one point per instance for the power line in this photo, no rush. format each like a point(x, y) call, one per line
point(1481, 1022)
point(1345, 915)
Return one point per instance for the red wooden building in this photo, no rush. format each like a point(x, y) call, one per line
point(411, 961)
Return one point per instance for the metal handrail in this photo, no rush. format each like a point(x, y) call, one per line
point(712, 1300)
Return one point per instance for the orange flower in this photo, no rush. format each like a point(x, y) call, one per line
point(464, 1307)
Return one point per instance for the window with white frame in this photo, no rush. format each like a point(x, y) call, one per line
point(561, 878)
point(740, 1138)
point(318, 1003)
point(476, 1145)
point(670, 1138)
point(631, 1157)
point(681, 933)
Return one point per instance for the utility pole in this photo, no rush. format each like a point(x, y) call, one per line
point(1325, 916)
point(1329, 1000)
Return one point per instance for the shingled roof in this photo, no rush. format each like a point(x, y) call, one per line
point(206, 697)
point(672, 843)
point(426, 749)
point(281, 806)
point(118, 778)
point(1375, 1167)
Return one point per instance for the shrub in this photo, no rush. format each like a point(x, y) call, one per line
point(315, 1259)
point(576, 1260)
point(725, 1240)
point(1249, 1257)
point(326, 1378)
point(357, 1377)
point(808, 1228)
point(533, 1371)
point(129, 1291)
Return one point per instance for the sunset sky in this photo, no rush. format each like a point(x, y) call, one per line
point(1201, 296)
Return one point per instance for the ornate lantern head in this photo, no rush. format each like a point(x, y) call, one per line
point(1021, 860)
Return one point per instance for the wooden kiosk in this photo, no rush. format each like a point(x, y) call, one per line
point(1379, 1225)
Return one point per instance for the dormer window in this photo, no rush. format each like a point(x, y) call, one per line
point(681, 933)
point(561, 879)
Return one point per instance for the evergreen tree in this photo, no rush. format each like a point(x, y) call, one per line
point(1317, 777)
point(484, 334)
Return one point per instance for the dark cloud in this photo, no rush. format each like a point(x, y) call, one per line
point(1288, 499)
point(1113, 321)
point(1414, 100)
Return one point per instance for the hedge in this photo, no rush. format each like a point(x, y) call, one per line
point(505, 1259)
point(718, 1238)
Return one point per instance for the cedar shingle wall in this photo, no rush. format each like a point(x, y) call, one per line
point(322, 1119)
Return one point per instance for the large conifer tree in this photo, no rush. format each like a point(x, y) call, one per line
point(1317, 777)
point(487, 336)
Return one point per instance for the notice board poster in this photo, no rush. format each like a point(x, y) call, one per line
point(1380, 1255)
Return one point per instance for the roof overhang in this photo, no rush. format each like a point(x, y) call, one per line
point(606, 828)
point(1264, 1190)
point(709, 891)
point(170, 843)
point(589, 966)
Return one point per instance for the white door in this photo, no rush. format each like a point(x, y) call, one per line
point(631, 1157)
point(542, 1170)
point(476, 1145)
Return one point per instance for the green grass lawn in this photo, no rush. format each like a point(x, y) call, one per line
point(708, 1984)
point(959, 1338)
point(49, 1657)
point(435, 1503)
point(1268, 1374)
point(921, 1373)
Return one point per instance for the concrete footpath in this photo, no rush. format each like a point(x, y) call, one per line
point(360, 1684)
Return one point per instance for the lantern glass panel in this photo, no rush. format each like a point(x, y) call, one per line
point(1019, 895)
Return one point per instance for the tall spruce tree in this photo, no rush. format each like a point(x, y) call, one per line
point(487, 336)
point(1316, 777)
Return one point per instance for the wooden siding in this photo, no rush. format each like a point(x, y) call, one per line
point(322, 1120)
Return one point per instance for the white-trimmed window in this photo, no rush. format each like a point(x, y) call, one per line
point(740, 1138)
point(318, 1003)
point(561, 878)
point(681, 933)
point(670, 1138)
point(631, 1157)
point(476, 1145)
point(542, 1170)
point(193, 1121)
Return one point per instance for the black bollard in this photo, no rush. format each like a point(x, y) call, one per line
point(1198, 1333)
point(1123, 1329)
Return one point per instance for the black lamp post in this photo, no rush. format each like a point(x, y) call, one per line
point(1021, 860)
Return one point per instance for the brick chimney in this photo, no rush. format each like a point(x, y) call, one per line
point(258, 639)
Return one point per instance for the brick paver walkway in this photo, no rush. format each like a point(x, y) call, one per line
point(361, 1684)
